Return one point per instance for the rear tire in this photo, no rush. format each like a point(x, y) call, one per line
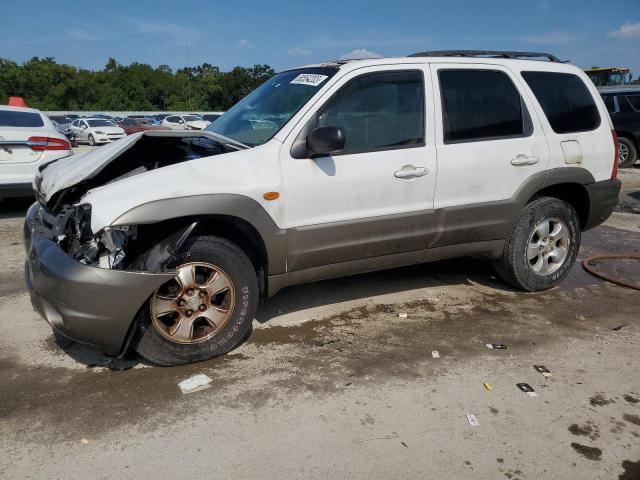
point(155, 341)
point(535, 261)
point(628, 153)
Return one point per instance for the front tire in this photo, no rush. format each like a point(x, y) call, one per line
point(206, 310)
point(92, 141)
point(627, 152)
point(542, 247)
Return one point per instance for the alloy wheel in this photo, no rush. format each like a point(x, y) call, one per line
point(195, 305)
point(623, 153)
point(548, 246)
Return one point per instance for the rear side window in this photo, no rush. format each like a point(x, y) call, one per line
point(634, 100)
point(9, 118)
point(481, 105)
point(565, 100)
point(379, 111)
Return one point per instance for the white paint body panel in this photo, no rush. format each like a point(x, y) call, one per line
point(361, 185)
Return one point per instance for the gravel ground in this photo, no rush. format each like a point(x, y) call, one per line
point(333, 383)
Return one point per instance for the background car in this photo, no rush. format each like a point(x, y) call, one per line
point(132, 125)
point(96, 130)
point(623, 104)
point(211, 117)
point(185, 122)
point(145, 119)
point(27, 140)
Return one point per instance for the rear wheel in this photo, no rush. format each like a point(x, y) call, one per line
point(205, 310)
point(627, 152)
point(542, 247)
point(92, 141)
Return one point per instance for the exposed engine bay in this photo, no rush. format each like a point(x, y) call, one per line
point(66, 221)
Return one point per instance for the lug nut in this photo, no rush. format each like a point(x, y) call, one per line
point(190, 291)
point(202, 294)
point(202, 308)
point(189, 313)
point(182, 303)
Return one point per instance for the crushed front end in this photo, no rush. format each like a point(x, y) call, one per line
point(76, 280)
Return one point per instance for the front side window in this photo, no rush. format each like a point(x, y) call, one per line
point(261, 114)
point(565, 100)
point(378, 111)
point(481, 105)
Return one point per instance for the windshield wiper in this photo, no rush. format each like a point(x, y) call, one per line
point(226, 140)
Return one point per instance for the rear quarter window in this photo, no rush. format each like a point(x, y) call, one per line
point(565, 100)
point(10, 118)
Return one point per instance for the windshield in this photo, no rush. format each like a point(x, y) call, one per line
point(261, 114)
point(100, 123)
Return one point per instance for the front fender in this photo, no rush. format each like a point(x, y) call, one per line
point(231, 205)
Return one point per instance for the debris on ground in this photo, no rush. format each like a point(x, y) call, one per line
point(620, 327)
point(496, 346)
point(528, 389)
point(195, 383)
point(435, 354)
point(84, 441)
point(488, 386)
point(403, 315)
point(580, 317)
point(473, 421)
point(543, 370)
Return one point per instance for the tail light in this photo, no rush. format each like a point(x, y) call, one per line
point(48, 143)
point(614, 172)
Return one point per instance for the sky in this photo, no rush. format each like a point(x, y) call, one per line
point(287, 33)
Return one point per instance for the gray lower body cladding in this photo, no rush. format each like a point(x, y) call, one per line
point(88, 304)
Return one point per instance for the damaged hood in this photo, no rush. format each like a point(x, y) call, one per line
point(68, 171)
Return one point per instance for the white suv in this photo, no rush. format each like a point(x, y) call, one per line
point(166, 241)
point(28, 139)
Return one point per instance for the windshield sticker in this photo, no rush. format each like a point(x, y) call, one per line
point(310, 79)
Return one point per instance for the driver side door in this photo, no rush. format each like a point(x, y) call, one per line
point(373, 199)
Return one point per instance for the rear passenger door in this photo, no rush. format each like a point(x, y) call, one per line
point(489, 142)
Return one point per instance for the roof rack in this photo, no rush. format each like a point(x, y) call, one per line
point(487, 54)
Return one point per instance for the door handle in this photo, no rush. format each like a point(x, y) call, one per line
point(522, 160)
point(409, 171)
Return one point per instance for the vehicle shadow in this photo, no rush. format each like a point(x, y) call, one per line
point(459, 271)
point(91, 358)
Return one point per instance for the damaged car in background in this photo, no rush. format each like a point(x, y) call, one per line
point(166, 241)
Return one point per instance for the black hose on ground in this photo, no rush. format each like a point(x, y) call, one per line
point(589, 267)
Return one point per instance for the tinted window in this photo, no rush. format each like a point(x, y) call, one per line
point(565, 100)
point(10, 118)
point(480, 104)
point(378, 111)
point(634, 100)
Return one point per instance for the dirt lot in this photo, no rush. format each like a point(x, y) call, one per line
point(333, 383)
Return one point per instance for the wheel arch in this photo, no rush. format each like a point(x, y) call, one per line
point(575, 194)
point(237, 218)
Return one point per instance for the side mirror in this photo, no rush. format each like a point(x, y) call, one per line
point(326, 140)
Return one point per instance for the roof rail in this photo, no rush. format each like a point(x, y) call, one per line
point(487, 54)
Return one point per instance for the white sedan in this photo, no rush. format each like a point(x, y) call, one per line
point(28, 139)
point(96, 130)
point(185, 122)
